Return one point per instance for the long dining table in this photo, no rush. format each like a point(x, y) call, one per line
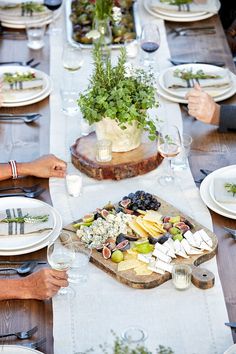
point(210, 150)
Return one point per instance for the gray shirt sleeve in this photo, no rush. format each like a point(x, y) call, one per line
point(227, 118)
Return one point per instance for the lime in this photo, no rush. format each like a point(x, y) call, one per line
point(144, 248)
point(117, 256)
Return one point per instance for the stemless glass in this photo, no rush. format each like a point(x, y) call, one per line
point(168, 146)
point(150, 42)
point(60, 255)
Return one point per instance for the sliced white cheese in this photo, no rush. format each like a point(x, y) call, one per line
point(189, 237)
point(179, 250)
point(197, 238)
point(161, 256)
point(146, 258)
point(164, 266)
point(205, 237)
point(189, 249)
point(170, 245)
point(156, 270)
point(161, 248)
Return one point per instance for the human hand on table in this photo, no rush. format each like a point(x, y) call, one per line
point(44, 284)
point(202, 106)
point(47, 166)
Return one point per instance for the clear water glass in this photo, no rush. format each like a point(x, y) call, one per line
point(78, 273)
point(180, 162)
point(181, 276)
point(74, 183)
point(72, 57)
point(35, 34)
point(69, 99)
point(134, 337)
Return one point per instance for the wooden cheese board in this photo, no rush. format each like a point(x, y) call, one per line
point(129, 277)
point(139, 161)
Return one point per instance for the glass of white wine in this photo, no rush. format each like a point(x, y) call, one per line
point(168, 146)
point(60, 255)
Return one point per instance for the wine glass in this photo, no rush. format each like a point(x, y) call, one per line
point(72, 57)
point(150, 42)
point(53, 5)
point(60, 255)
point(168, 146)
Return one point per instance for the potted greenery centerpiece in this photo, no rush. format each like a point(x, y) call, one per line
point(117, 101)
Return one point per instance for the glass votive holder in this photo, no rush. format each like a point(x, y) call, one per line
point(104, 150)
point(74, 185)
point(134, 337)
point(181, 276)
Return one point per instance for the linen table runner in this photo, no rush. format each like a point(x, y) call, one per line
point(192, 321)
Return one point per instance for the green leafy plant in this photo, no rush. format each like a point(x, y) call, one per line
point(188, 75)
point(231, 188)
point(26, 219)
point(103, 9)
point(120, 94)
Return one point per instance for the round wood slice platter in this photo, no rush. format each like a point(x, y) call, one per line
point(139, 161)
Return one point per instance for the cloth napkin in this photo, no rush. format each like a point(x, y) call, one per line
point(15, 228)
point(217, 85)
point(220, 193)
point(195, 6)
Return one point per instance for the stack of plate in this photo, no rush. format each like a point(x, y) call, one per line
point(17, 245)
point(177, 16)
point(24, 97)
point(208, 195)
point(178, 96)
point(17, 349)
point(11, 16)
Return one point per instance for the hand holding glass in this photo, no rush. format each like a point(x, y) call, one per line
point(60, 255)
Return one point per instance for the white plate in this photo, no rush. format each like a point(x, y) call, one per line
point(16, 349)
point(176, 19)
point(180, 14)
point(231, 207)
point(175, 99)
point(27, 202)
point(28, 102)
point(231, 350)
point(14, 243)
point(206, 197)
point(195, 67)
point(25, 95)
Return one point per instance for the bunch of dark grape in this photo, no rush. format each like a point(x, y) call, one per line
point(140, 200)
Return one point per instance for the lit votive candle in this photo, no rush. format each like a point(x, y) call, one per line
point(181, 276)
point(104, 150)
point(74, 185)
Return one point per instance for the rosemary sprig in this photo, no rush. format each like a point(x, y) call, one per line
point(188, 75)
point(176, 2)
point(231, 188)
point(26, 218)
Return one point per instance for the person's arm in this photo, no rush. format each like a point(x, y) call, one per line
point(41, 285)
point(227, 118)
point(45, 167)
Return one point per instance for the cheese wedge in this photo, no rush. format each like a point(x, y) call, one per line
point(189, 249)
point(170, 244)
point(137, 229)
point(146, 258)
point(164, 266)
point(143, 270)
point(189, 237)
point(156, 270)
point(205, 237)
point(179, 250)
point(163, 257)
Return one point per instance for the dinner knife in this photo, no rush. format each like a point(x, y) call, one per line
point(231, 324)
point(22, 262)
point(180, 62)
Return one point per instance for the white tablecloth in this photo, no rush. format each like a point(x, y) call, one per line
point(191, 322)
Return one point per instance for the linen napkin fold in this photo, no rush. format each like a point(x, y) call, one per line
point(220, 192)
point(25, 228)
point(194, 6)
point(215, 84)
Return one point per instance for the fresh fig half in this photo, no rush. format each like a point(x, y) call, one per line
point(124, 245)
point(106, 252)
point(125, 203)
point(104, 213)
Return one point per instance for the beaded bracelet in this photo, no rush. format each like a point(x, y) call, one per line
point(14, 171)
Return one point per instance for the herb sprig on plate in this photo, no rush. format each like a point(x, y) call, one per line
point(231, 188)
point(26, 219)
point(189, 75)
point(177, 2)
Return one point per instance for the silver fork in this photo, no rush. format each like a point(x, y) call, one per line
point(34, 345)
point(21, 334)
point(23, 189)
point(232, 232)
